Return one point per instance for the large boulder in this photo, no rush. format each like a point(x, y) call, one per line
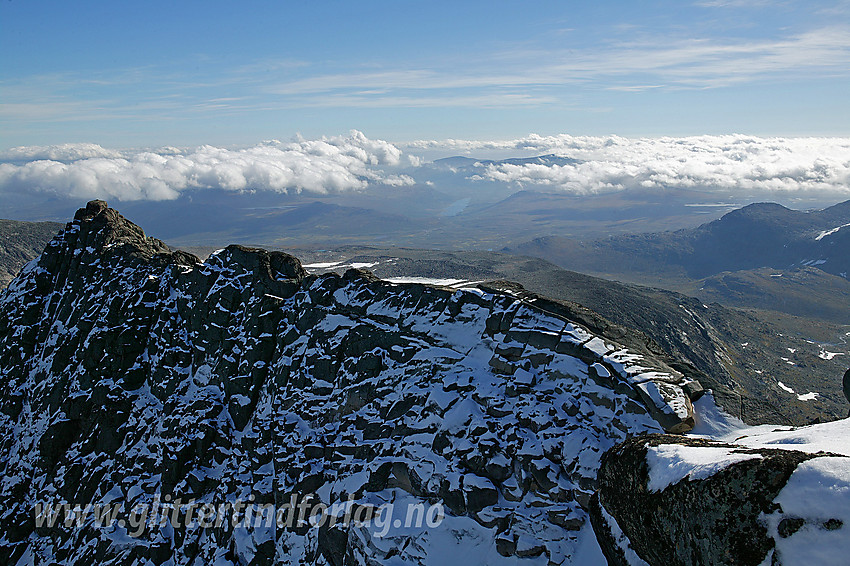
point(672, 500)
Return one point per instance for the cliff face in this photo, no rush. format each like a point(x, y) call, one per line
point(136, 375)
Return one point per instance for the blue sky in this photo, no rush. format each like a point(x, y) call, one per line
point(188, 73)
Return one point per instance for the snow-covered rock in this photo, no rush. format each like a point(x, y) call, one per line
point(138, 375)
point(756, 495)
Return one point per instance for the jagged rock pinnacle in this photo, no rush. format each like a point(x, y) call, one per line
point(98, 227)
point(847, 387)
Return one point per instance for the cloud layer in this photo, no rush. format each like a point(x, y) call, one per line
point(329, 164)
point(64, 153)
point(732, 163)
point(743, 165)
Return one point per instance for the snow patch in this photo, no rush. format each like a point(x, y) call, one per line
point(810, 396)
point(824, 437)
point(621, 539)
point(712, 421)
point(671, 463)
point(324, 265)
point(428, 281)
point(818, 491)
point(826, 233)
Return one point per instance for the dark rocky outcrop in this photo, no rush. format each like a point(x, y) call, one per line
point(720, 519)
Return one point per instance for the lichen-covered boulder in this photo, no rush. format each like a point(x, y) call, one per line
point(671, 500)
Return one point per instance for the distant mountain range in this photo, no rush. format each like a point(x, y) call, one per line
point(755, 236)
point(761, 256)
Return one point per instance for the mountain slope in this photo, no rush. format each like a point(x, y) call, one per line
point(20, 242)
point(138, 375)
point(215, 217)
point(807, 292)
point(755, 236)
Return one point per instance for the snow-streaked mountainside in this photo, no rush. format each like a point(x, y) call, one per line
point(758, 235)
point(131, 373)
point(135, 376)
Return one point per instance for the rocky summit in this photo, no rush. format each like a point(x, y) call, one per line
point(134, 375)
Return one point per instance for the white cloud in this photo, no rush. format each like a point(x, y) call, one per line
point(65, 153)
point(329, 164)
point(724, 163)
point(736, 163)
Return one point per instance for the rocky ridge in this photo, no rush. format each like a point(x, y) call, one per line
point(132, 372)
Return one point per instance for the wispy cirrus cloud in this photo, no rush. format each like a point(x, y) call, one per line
point(736, 3)
point(515, 76)
point(622, 65)
point(486, 100)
